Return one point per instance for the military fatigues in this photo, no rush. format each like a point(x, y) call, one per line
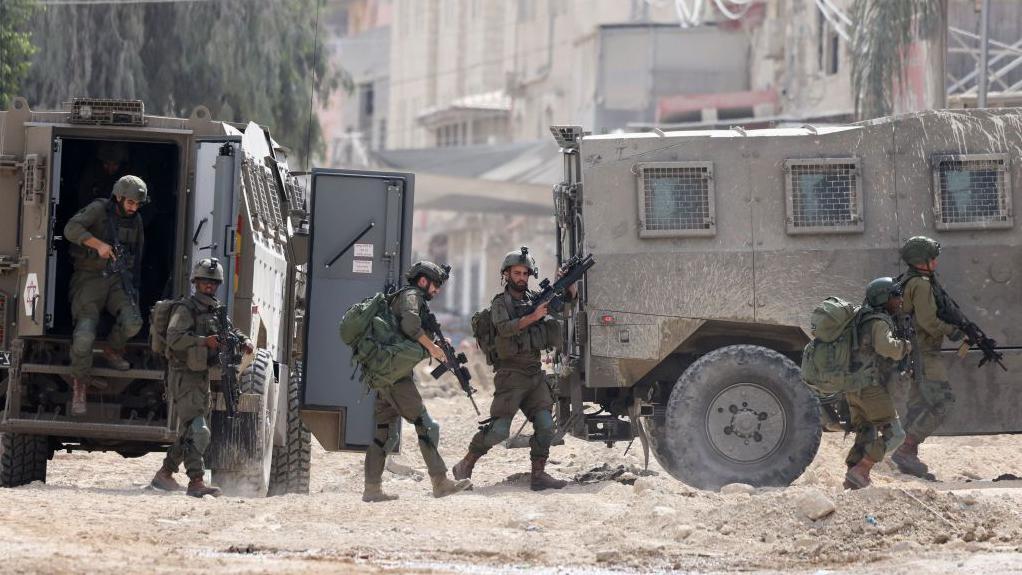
point(91, 292)
point(928, 403)
point(872, 408)
point(403, 400)
point(519, 383)
point(188, 378)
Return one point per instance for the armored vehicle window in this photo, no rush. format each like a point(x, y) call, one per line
point(676, 199)
point(972, 192)
point(822, 195)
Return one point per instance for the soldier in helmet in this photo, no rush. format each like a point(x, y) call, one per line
point(873, 415)
point(98, 177)
point(94, 232)
point(519, 382)
point(929, 401)
point(425, 280)
point(192, 348)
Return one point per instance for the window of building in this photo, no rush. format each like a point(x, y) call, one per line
point(676, 199)
point(972, 191)
point(823, 195)
point(828, 46)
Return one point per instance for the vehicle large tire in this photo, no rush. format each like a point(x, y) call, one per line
point(739, 414)
point(23, 458)
point(241, 453)
point(292, 461)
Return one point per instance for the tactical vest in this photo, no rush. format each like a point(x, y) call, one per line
point(523, 348)
point(197, 357)
point(127, 231)
point(865, 358)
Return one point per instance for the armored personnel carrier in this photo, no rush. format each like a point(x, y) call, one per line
point(714, 246)
point(215, 189)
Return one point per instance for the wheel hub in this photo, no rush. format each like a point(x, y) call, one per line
point(745, 422)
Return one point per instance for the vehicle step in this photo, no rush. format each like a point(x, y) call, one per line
point(96, 371)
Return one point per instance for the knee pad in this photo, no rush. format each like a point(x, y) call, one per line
point(499, 428)
point(543, 426)
point(84, 335)
point(427, 429)
point(130, 322)
point(391, 438)
point(894, 436)
point(868, 433)
point(200, 434)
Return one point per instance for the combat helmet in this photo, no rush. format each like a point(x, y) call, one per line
point(919, 250)
point(880, 290)
point(520, 257)
point(208, 268)
point(132, 188)
point(438, 274)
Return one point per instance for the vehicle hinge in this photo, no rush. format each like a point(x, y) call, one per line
point(10, 263)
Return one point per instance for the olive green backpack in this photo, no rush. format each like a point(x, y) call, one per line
point(379, 349)
point(827, 365)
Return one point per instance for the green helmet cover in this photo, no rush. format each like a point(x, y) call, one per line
point(132, 188)
point(880, 290)
point(919, 250)
point(208, 268)
point(520, 257)
point(435, 273)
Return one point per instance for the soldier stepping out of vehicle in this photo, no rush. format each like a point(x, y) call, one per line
point(401, 398)
point(192, 349)
point(107, 240)
point(930, 397)
point(873, 415)
point(512, 337)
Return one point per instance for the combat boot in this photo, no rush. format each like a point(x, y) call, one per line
point(442, 486)
point(858, 474)
point(164, 481)
point(78, 400)
point(463, 469)
point(373, 493)
point(541, 479)
point(906, 457)
point(198, 488)
point(115, 359)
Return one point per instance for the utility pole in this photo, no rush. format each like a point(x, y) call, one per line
point(984, 54)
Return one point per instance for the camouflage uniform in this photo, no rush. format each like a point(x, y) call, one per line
point(188, 377)
point(928, 403)
point(91, 292)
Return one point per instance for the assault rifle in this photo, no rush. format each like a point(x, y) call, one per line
point(553, 294)
point(912, 363)
point(229, 355)
point(453, 362)
point(119, 263)
point(949, 312)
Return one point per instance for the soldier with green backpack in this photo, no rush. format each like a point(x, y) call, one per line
point(855, 352)
point(387, 340)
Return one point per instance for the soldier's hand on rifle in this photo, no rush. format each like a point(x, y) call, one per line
point(541, 311)
point(573, 288)
point(435, 351)
point(956, 335)
point(212, 342)
point(105, 250)
point(249, 348)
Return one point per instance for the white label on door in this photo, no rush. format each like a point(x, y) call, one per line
point(31, 292)
point(364, 250)
point(362, 266)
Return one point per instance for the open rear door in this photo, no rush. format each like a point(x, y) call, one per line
point(40, 193)
point(361, 227)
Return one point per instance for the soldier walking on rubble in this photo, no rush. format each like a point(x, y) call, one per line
point(192, 347)
point(519, 382)
point(873, 415)
point(930, 396)
point(97, 233)
point(402, 399)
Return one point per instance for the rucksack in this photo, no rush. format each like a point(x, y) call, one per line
point(381, 352)
point(827, 360)
point(159, 319)
point(485, 334)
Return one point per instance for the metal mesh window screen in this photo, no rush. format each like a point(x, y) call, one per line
point(972, 192)
point(677, 199)
point(823, 196)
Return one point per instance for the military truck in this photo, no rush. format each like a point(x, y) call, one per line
point(215, 189)
point(714, 246)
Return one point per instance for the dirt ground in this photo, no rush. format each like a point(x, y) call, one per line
point(96, 515)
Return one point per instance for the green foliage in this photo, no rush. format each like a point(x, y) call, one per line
point(884, 30)
point(15, 46)
point(243, 59)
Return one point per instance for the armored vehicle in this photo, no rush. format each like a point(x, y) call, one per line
point(215, 189)
point(714, 246)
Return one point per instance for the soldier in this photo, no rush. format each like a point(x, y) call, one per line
point(98, 177)
point(192, 347)
point(94, 232)
point(402, 399)
point(519, 382)
point(929, 401)
point(873, 415)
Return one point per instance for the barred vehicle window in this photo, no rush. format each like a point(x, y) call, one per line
point(676, 199)
point(972, 191)
point(823, 195)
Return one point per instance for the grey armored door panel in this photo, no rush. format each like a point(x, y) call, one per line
point(361, 226)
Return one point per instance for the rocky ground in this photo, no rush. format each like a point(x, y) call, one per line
point(96, 515)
